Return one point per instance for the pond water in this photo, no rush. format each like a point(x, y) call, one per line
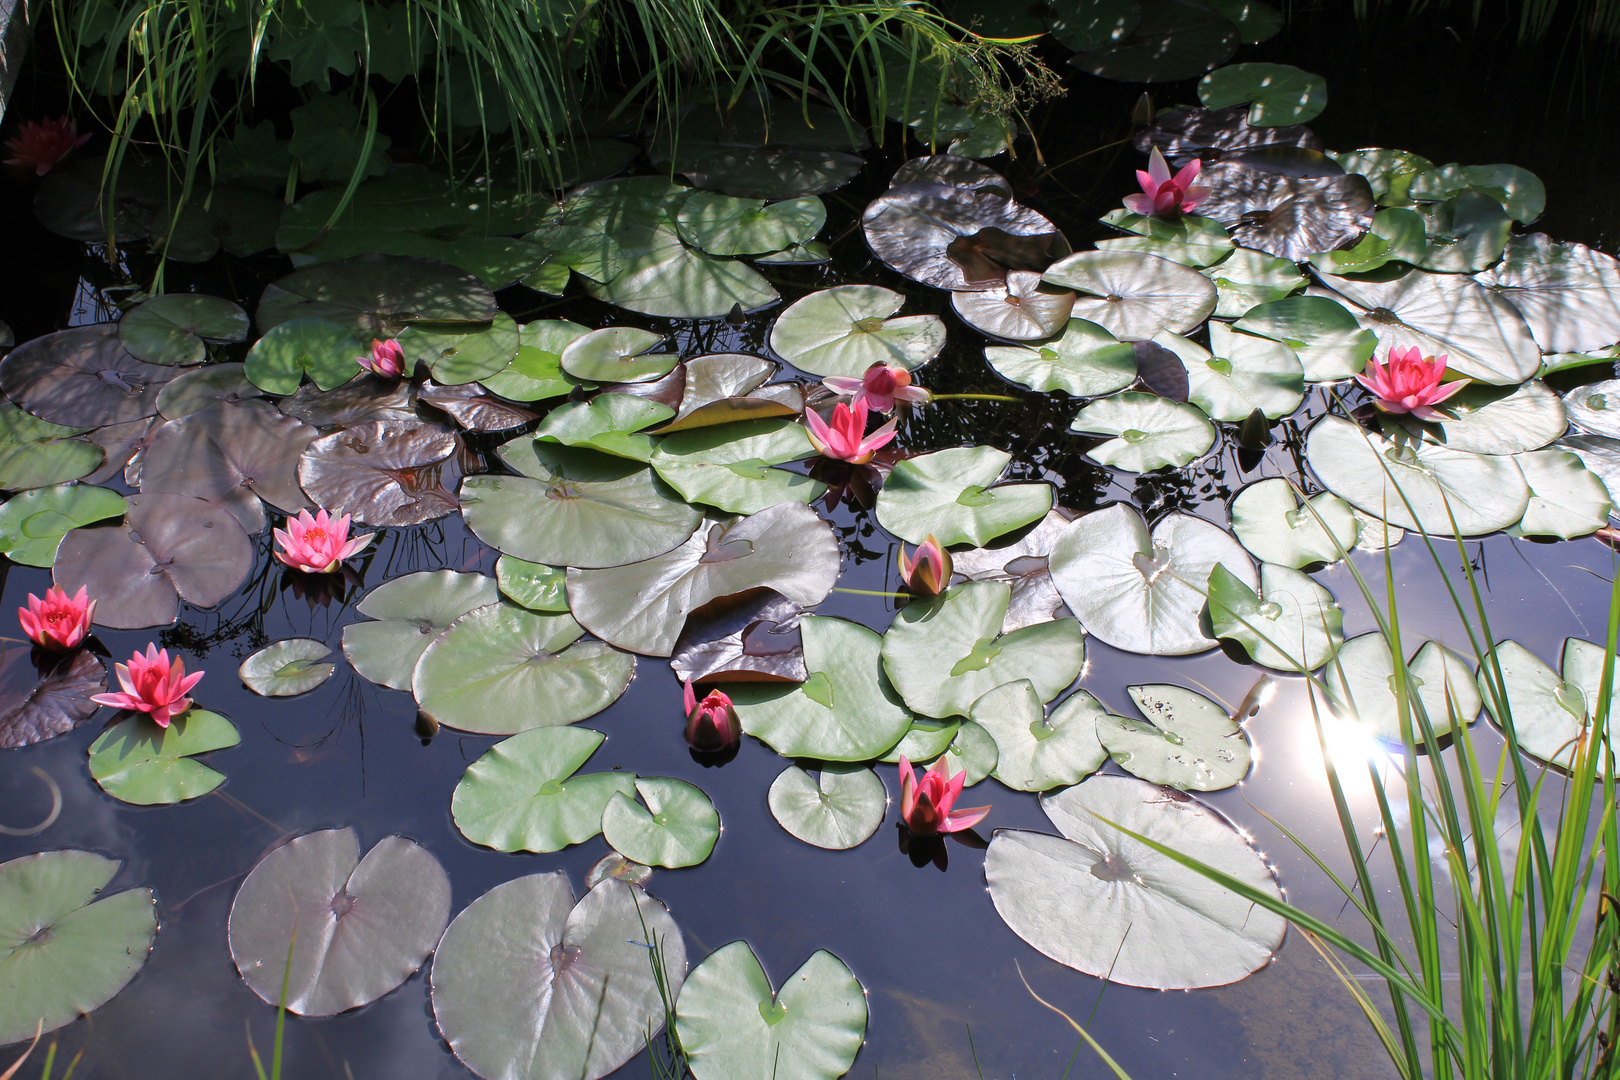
point(942, 971)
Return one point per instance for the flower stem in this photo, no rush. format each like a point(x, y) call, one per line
point(973, 397)
point(870, 592)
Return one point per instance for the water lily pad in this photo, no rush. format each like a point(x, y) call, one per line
point(174, 328)
point(726, 225)
point(1520, 191)
point(1328, 340)
point(377, 295)
point(1276, 527)
point(474, 408)
point(844, 710)
point(234, 456)
point(1292, 217)
point(846, 329)
point(1173, 40)
point(617, 354)
point(1186, 742)
point(662, 276)
point(944, 236)
point(536, 372)
point(588, 1007)
point(815, 253)
point(522, 794)
point(1022, 309)
point(82, 377)
point(1549, 714)
point(1361, 683)
point(723, 387)
point(1244, 374)
point(677, 827)
point(135, 761)
point(954, 496)
point(1466, 233)
point(573, 249)
point(732, 1023)
point(33, 523)
point(65, 952)
point(410, 613)
point(1291, 623)
point(34, 453)
point(1595, 408)
point(355, 928)
point(1022, 564)
point(1485, 419)
point(385, 472)
point(169, 548)
point(42, 699)
point(946, 652)
point(1446, 314)
point(501, 669)
point(1083, 360)
point(1481, 493)
point(575, 508)
point(1037, 752)
point(204, 388)
point(1134, 296)
point(729, 466)
point(1396, 235)
point(1190, 240)
point(1150, 432)
point(456, 355)
point(1390, 172)
point(1568, 293)
point(1279, 93)
point(642, 606)
point(1182, 133)
point(1150, 921)
point(1143, 592)
point(611, 423)
point(926, 741)
point(287, 667)
point(361, 399)
point(952, 169)
point(532, 585)
point(837, 809)
point(1566, 500)
point(616, 867)
point(753, 637)
point(320, 348)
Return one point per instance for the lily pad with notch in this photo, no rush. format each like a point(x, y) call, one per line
point(664, 277)
point(1396, 235)
point(137, 762)
point(43, 695)
point(1290, 217)
point(1568, 293)
point(1550, 714)
point(409, 613)
point(1520, 192)
point(1037, 751)
point(837, 809)
point(1247, 278)
point(1187, 742)
point(1485, 419)
point(1390, 172)
point(1083, 360)
point(949, 238)
point(1189, 239)
point(1277, 94)
point(1023, 565)
point(377, 295)
point(1021, 309)
point(83, 377)
point(1291, 623)
point(1147, 432)
point(1134, 296)
point(677, 827)
point(848, 328)
point(175, 328)
point(611, 423)
point(1566, 500)
point(324, 350)
point(536, 373)
point(730, 466)
point(204, 388)
point(1361, 685)
point(288, 667)
point(751, 637)
point(1277, 528)
point(474, 408)
point(233, 456)
point(726, 225)
point(360, 400)
point(617, 354)
point(385, 472)
point(955, 496)
point(35, 453)
point(32, 523)
point(457, 355)
point(1186, 133)
point(523, 793)
point(1329, 341)
point(724, 387)
point(1244, 374)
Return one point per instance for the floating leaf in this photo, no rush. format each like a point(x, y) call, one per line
point(953, 170)
point(1328, 340)
point(1291, 217)
point(82, 377)
point(926, 740)
point(846, 329)
point(946, 652)
point(33, 523)
point(1568, 293)
point(1037, 752)
point(838, 808)
point(954, 495)
point(1396, 235)
point(1361, 683)
point(536, 372)
point(1190, 240)
point(617, 354)
point(135, 761)
point(173, 328)
point(42, 699)
point(588, 1007)
point(233, 456)
point(728, 466)
point(1276, 527)
point(361, 399)
point(385, 472)
point(677, 827)
point(1150, 921)
point(501, 669)
point(1466, 233)
point(410, 613)
point(204, 388)
point(1280, 93)
point(522, 794)
point(1021, 309)
point(1173, 40)
point(377, 295)
point(1149, 432)
point(66, 953)
point(724, 387)
point(1291, 623)
point(456, 355)
point(1550, 715)
point(574, 248)
point(753, 637)
point(1520, 191)
point(533, 585)
point(610, 423)
point(287, 667)
point(474, 408)
point(1143, 592)
point(333, 929)
point(1485, 419)
point(1083, 360)
point(950, 238)
point(726, 225)
point(1022, 564)
point(1181, 133)
point(169, 548)
point(1134, 296)
point(1390, 172)
point(1186, 742)
point(34, 453)
point(1566, 500)
point(616, 867)
point(731, 1022)
point(1244, 374)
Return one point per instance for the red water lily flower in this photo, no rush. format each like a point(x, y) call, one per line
point(40, 144)
point(152, 685)
point(928, 571)
point(925, 806)
point(318, 545)
point(711, 724)
point(1164, 195)
point(880, 387)
point(1410, 383)
point(58, 622)
point(387, 359)
point(845, 438)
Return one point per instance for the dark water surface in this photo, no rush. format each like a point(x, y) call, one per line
point(937, 961)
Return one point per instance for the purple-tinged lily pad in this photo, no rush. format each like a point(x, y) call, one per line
point(232, 455)
point(1186, 133)
point(753, 637)
point(953, 239)
point(957, 172)
point(385, 473)
point(377, 295)
point(205, 387)
point(475, 408)
point(362, 399)
point(83, 377)
point(125, 448)
point(43, 695)
point(1290, 217)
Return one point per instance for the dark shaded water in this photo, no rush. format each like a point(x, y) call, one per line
point(937, 961)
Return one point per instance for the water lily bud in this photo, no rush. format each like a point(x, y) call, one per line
point(927, 805)
point(711, 724)
point(387, 360)
point(928, 572)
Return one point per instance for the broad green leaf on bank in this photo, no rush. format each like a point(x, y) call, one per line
point(1361, 683)
point(1150, 921)
point(523, 794)
point(287, 667)
point(532, 585)
point(1280, 93)
point(135, 761)
point(1134, 296)
point(1327, 338)
point(846, 329)
point(1568, 293)
point(1566, 500)
point(1083, 360)
point(1187, 741)
point(677, 827)
point(410, 612)
point(953, 495)
point(1149, 432)
point(1291, 624)
point(1036, 751)
point(32, 523)
point(838, 808)
point(730, 466)
point(1271, 521)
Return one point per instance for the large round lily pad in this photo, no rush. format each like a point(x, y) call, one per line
point(944, 236)
point(205, 387)
point(1135, 296)
point(327, 351)
point(953, 496)
point(522, 794)
point(1271, 521)
point(32, 523)
point(1484, 419)
point(1568, 293)
point(35, 453)
point(1361, 683)
point(1083, 360)
point(377, 295)
point(677, 827)
point(385, 472)
point(1186, 742)
point(356, 928)
point(410, 612)
point(174, 328)
point(1036, 751)
point(1149, 432)
point(63, 952)
point(1021, 309)
point(233, 456)
point(728, 466)
point(135, 761)
point(838, 808)
point(846, 329)
point(83, 377)
point(527, 985)
point(1149, 920)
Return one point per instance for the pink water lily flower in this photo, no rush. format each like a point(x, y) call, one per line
point(40, 144)
point(152, 685)
point(928, 571)
point(387, 359)
point(925, 806)
point(880, 387)
point(711, 724)
point(58, 622)
point(1409, 383)
point(1164, 195)
point(318, 545)
point(845, 438)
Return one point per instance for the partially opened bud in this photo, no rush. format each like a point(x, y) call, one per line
point(711, 724)
point(928, 572)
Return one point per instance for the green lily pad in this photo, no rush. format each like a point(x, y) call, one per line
point(1568, 293)
point(501, 669)
point(1595, 408)
point(1138, 591)
point(972, 751)
point(944, 653)
point(1083, 360)
point(617, 354)
point(574, 249)
point(1023, 309)
point(324, 350)
point(1519, 191)
point(1173, 40)
point(728, 466)
point(611, 423)
point(954, 496)
point(533, 585)
point(174, 328)
point(522, 794)
point(1549, 714)
point(726, 225)
point(1150, 432)
point(1280, 93)
point(844, 710)
point(1276, 527)
point(1390, 172)
point(1247, 278)
point(457, 356)
point(1186, 742)
point(732, 1023)
point(1466, 233)
point(1022, 564)
point(135, 761)
point(837, 809)
point(642, 606)
point(377, 295)
point(410, 612)
point(1292, 623)
point(1134, 296)
point(1190, 240)
point(1037, 752)
point(1244, 374)
point(1396, 235)
point(677, 827)
point(34, 453)
point(1361, 684)
point(32, 523)
point(846, 329)
point(1566, 500)
point(1329, 341)
point(536, 374)
point(64, 952)
point(1485, 419)
point(927, 739)
point(288, 667)
point(815, 253)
